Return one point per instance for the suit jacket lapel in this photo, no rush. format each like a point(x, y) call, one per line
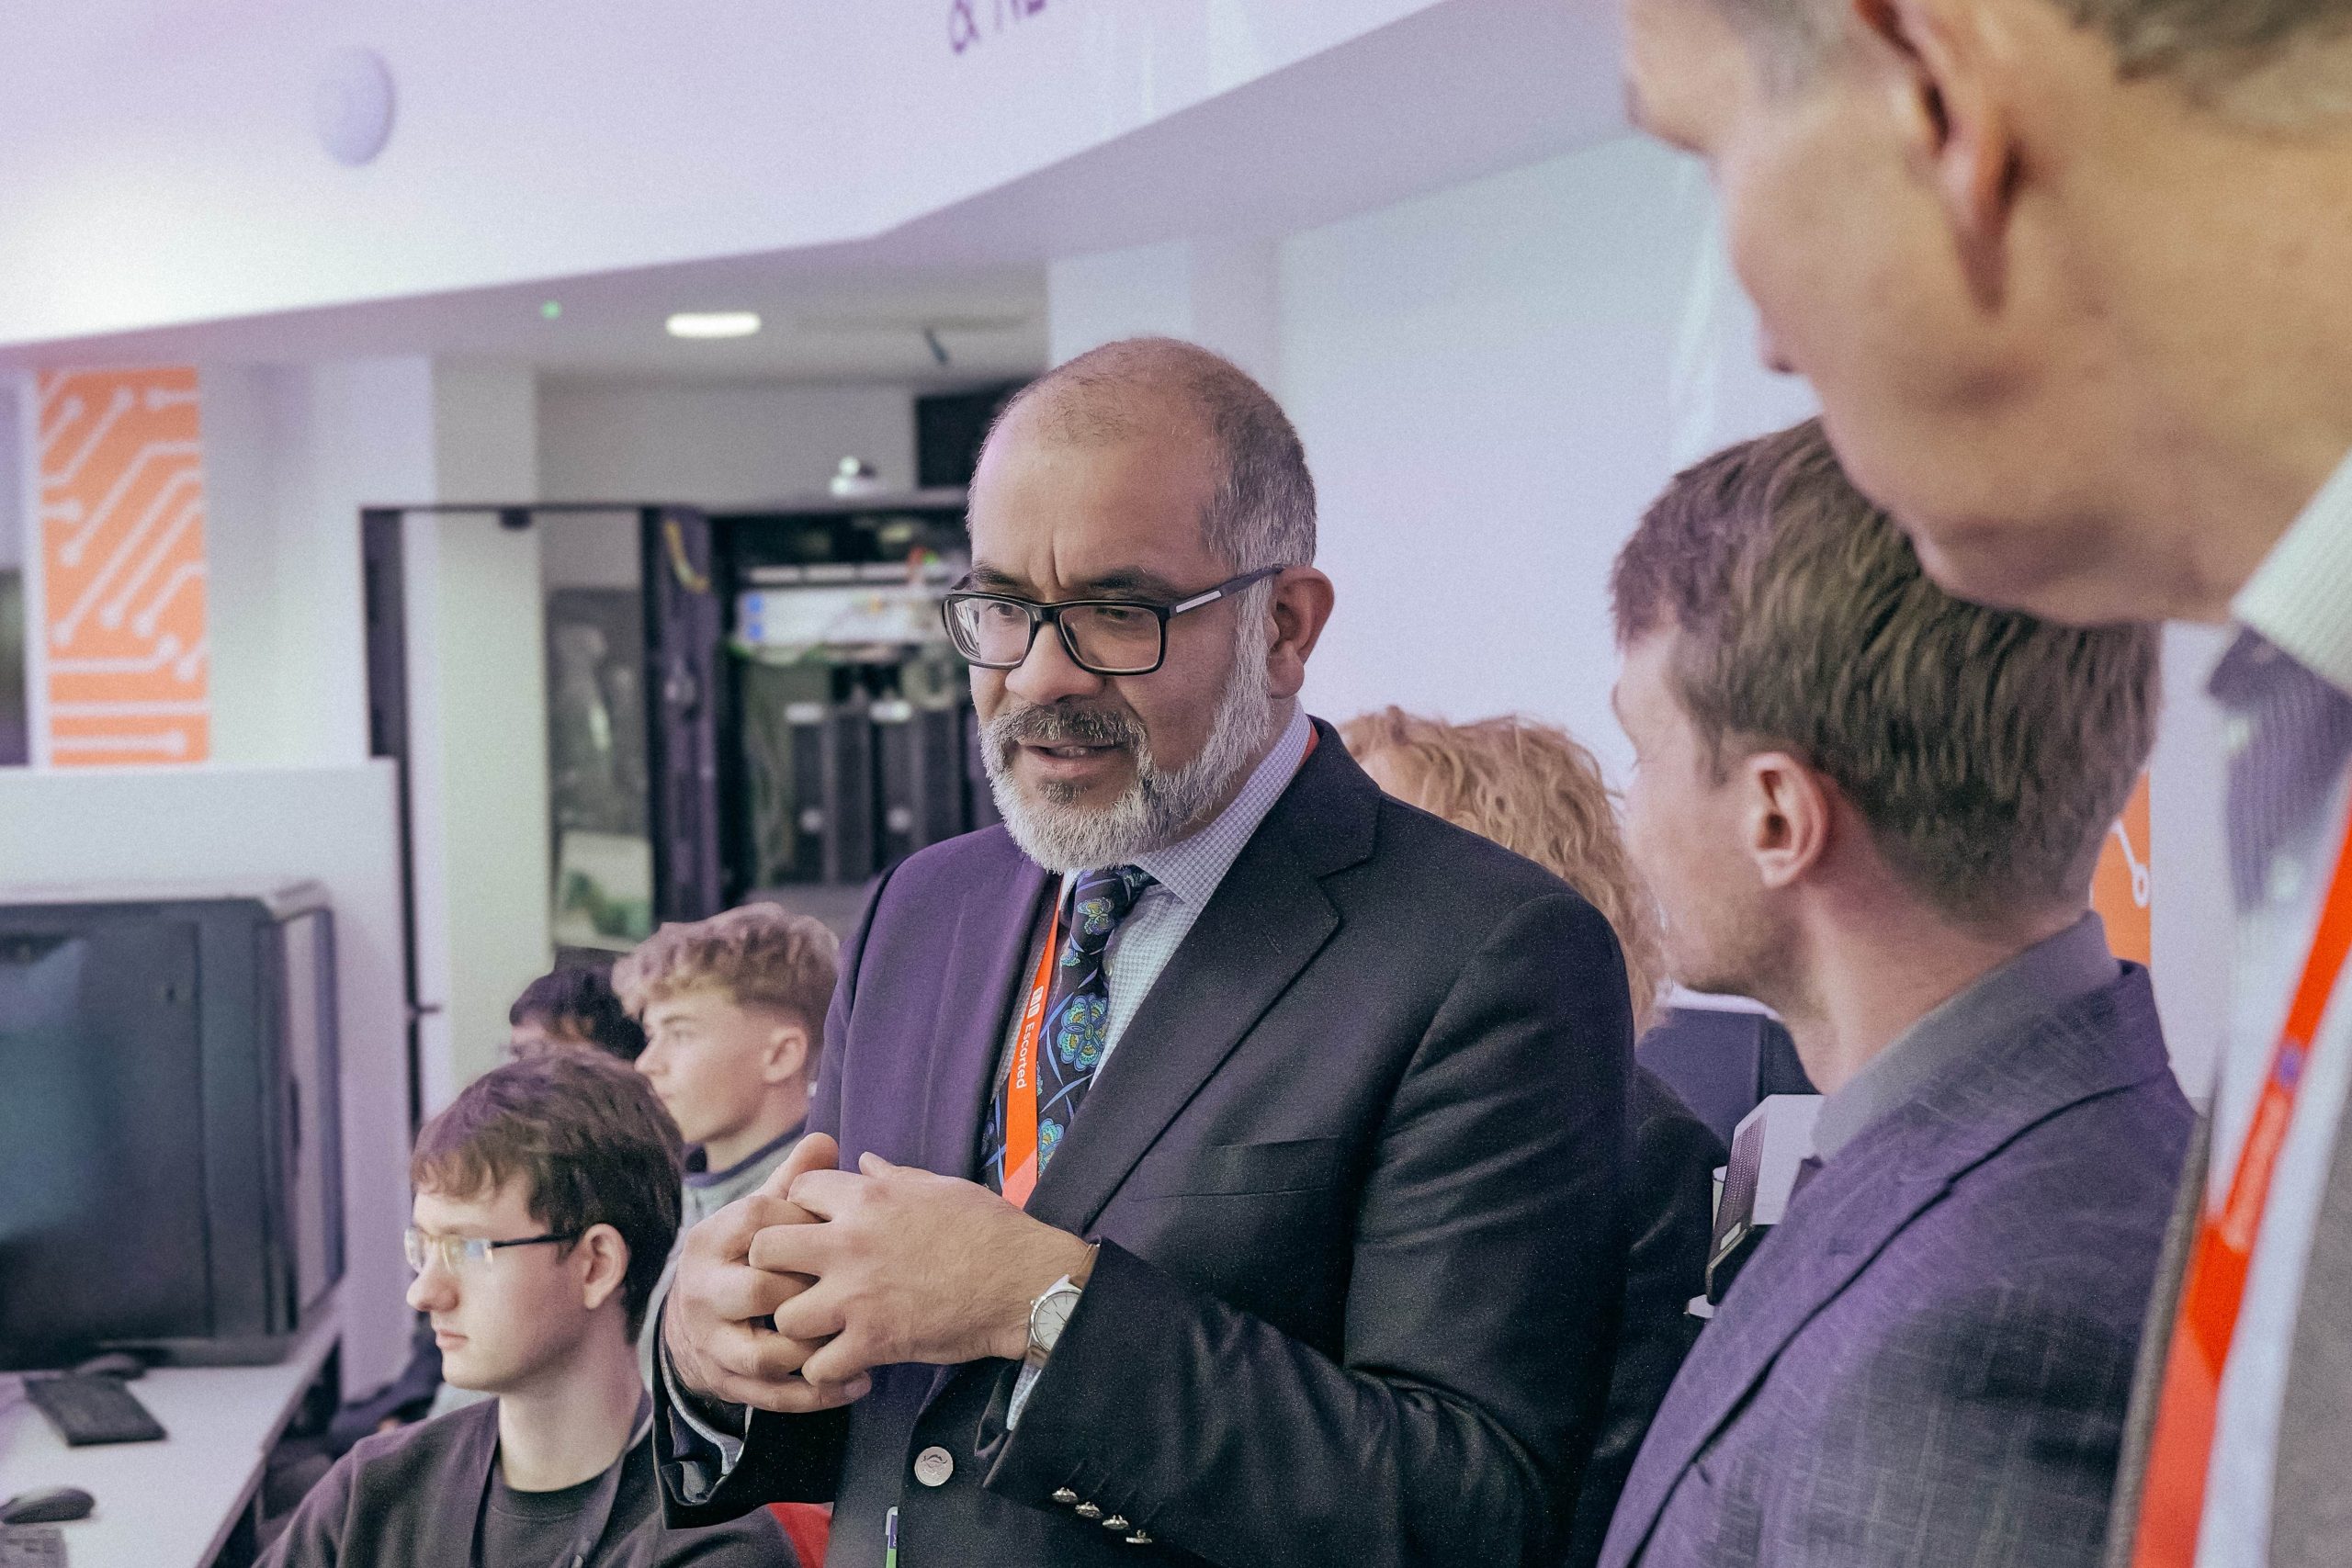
point(1851, 1211)
point(985, 956)
point(1846, 1216)
point(1267, 919)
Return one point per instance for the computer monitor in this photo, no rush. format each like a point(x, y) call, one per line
point(170, 1161)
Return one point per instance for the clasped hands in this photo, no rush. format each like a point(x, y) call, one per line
point(787, 1298)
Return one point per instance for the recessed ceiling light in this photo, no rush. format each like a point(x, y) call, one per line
point(714, 323)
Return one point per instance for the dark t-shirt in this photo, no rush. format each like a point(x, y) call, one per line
point(412, 1497)
point(534, 1530)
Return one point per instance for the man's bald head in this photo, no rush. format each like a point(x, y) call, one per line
point(1263, 512)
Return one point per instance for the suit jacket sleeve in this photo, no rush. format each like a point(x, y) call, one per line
point(1487, 1265)
point(1670, 1216)
point(1982, 1432)
point(785, 1459)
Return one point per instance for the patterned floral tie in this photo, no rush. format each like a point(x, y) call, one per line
point(1078, 1014)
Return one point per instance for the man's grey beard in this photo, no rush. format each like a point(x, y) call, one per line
point(1156, 811)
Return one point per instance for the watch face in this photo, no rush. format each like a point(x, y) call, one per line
point(1052, 1315)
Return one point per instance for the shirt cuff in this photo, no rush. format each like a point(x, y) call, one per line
point(1021, 1387)
point(704, 1433)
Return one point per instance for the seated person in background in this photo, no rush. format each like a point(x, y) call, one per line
point(574, 1004)
point(733, 1008)
point(1534, 790)
point(1876, 810)
point(546, 1201)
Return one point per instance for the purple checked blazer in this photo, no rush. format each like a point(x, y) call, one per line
point(1355, 1174)
point(1925, 1364)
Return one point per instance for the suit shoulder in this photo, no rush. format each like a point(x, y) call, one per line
point(1419, 854)
point(2104, 1156)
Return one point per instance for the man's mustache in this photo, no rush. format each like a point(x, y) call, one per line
point(1045, 725)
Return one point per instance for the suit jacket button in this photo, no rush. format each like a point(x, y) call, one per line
point(1117, 1522)
point(1089, 1511)
point(1140, 1538)
point(934, 1466)
point(1065, 1496)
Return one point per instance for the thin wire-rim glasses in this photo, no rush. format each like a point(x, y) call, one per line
point(458, 1253)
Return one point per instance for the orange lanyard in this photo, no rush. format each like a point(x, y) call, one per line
point(1020, 1078)
point(2172, 1499)
point(1020, 1081)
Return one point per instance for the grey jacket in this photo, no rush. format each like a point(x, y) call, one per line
point(1926, 1362)
point(414, 1498)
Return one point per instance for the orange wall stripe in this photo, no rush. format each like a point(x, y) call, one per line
point(122, 468)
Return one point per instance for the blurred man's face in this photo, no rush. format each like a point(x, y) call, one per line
point(1686, 831)
point(710, 1061)
point(1091, 769)
point(1957, 377)
point(515, 1322)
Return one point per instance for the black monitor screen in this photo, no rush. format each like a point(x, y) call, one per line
point(102, 1210)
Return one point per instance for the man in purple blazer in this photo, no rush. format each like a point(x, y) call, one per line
point(1877, 809)
point(1228, 1155)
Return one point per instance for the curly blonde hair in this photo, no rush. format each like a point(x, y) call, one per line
point(758, 955)
point(1536, 792)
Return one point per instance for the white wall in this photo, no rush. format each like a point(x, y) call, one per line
point(1225, 294)
point(1492, 382)
point(717, 445)
point(292, 455)
point(256, 827)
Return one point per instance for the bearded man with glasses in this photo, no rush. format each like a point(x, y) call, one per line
point(1218, 1159)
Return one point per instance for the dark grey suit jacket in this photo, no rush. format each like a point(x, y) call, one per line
point(1926, 1362)
point(1355, 1171)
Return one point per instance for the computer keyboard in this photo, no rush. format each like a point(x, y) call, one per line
point(92, 1410)
point(31, 1546)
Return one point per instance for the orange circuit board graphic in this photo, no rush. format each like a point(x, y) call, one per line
point(2121, 889)
point(121, 472)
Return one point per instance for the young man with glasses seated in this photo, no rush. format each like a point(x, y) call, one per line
point(547, 1196)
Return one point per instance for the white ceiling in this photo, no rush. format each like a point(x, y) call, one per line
point(1453, 93)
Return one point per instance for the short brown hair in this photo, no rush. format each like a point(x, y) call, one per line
point(1988, 751)
point(588, 1137)
point(2263, 61)
point(759, 955)
point(1530, 788)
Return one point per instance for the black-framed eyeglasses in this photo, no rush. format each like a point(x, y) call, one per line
point(1102, 637)
point(462, 1253)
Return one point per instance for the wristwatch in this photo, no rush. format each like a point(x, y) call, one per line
point(1048, 1315)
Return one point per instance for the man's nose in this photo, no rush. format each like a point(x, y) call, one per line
point(432, 1290)
point(1049, 674)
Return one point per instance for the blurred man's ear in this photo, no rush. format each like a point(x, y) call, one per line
point(607, 1257)
point(786, 1059)
point(1959, 122)
point(1785, 816)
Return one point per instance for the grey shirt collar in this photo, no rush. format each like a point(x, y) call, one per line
point(2044, 978)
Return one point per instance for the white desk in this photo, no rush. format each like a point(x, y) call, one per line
point(167, 1505)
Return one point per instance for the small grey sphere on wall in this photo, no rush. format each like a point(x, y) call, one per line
point(353, 107)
